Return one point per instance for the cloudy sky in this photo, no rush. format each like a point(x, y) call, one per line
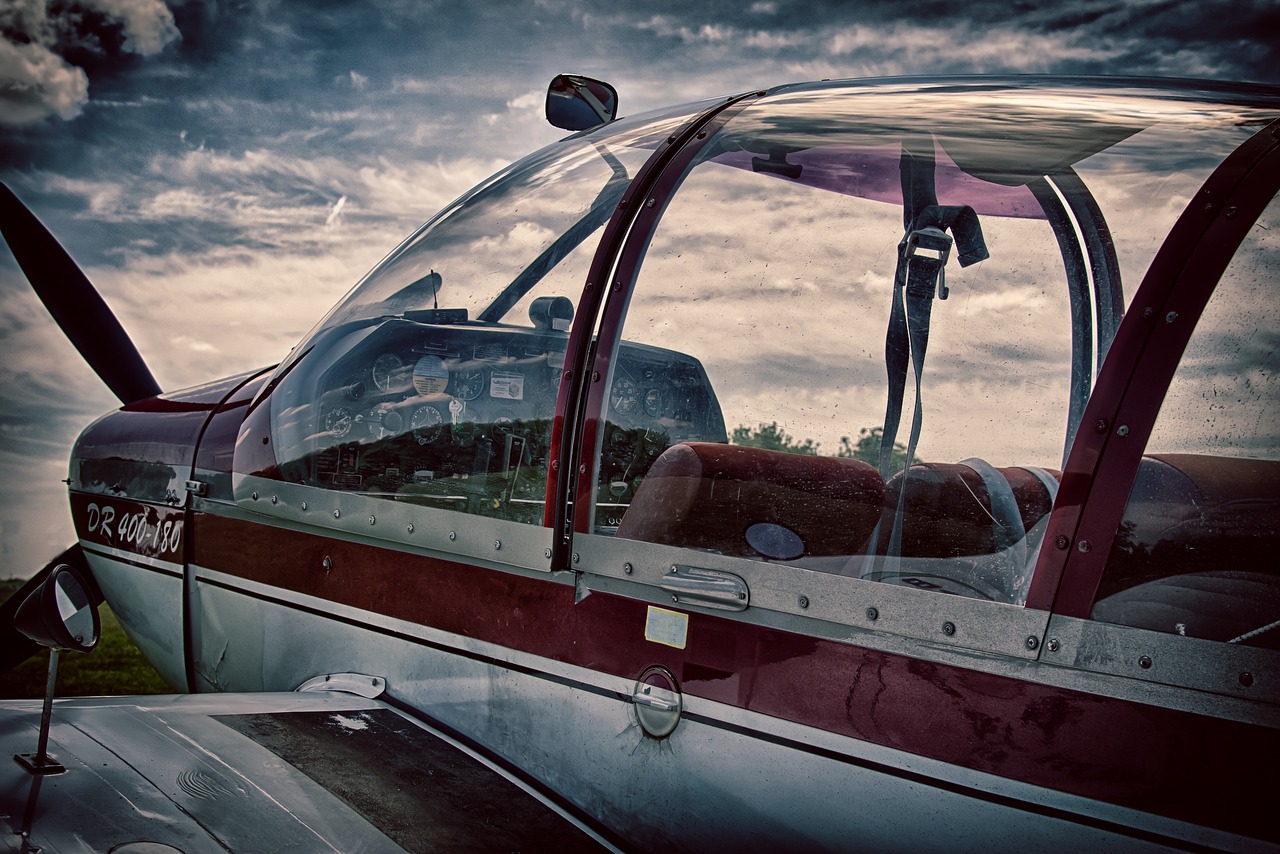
point(224, 170)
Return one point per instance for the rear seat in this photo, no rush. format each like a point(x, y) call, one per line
point(751, 502)
point(1196, 551)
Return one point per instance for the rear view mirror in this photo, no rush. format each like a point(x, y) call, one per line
point(60, 613)
point(575, 102)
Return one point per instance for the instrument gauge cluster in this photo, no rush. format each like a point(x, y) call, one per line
point(455, 414)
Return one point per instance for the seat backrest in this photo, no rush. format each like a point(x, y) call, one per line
point(1196, 513)
point(948, 509)
point(751, 502)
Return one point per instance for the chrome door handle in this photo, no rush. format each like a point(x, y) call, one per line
point(649, 696)
point(710, 588)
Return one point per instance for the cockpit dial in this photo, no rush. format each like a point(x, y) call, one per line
point(624, 396)
point(384, 422)
point(468, 383)
point(337, 422)
point(426, 422)
point(389, 371)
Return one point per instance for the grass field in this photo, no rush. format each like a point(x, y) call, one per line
point(114, 667)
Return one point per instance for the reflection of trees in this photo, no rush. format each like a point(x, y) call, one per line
point(626, 454)
point(487, 468)
point(771, 437)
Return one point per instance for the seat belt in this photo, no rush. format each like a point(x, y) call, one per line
point(922, 257)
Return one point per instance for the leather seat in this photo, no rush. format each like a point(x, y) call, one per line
point(948, 510)
point(751, 502)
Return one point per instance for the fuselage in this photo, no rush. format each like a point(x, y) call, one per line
point(550, 538)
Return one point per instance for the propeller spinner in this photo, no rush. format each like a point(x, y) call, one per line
point(74, 303)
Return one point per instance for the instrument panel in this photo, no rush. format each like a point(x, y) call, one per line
point(460, 415)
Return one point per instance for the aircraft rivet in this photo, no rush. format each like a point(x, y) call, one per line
point(555, 465)
point(275, 499)
point(409, 528)
point(1145, 662)
point(1084, 546)
point(1053, 645)
point(595, 376)
point(266, 440)
point(873, 614)
point(1171, 317)
point(1246, 679)
point(804, 601)
point(1208, 207)
point(304, 505)
point(582, 469)
point(1032, 642)
point(948, 628)
point(497, 544)
point(702, 134)
point(1148, 312)
point(1122, 430)
point(1062, 542)
point(650, 203)
point(337, 514)
point(1229, 212)
point(254, 496)
point(671, 139)
point(576, 557)
point(1100, 425)
point(453, 535)
point(675, 599)
point(327, 563)
point(373, 520)
point(628, 568)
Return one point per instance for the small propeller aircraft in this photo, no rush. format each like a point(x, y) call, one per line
point(864, 465)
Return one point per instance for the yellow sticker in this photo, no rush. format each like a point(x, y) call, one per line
point(670, 628)
point(430, 376)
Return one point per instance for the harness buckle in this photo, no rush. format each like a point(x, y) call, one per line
point(931, 244)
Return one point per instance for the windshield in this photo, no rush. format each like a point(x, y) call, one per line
point(513, 238)
point(434, 380)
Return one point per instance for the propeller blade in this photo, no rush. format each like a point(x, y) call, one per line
point(74, 303)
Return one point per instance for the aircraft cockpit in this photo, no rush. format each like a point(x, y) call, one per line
point(909, 445)
point(854, 336)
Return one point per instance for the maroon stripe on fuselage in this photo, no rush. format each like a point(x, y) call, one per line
point(1168, 762)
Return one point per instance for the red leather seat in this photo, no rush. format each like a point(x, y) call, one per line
point(751, 502)
point(948, 509)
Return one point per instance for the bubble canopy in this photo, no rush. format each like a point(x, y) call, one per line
point(435, 379)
